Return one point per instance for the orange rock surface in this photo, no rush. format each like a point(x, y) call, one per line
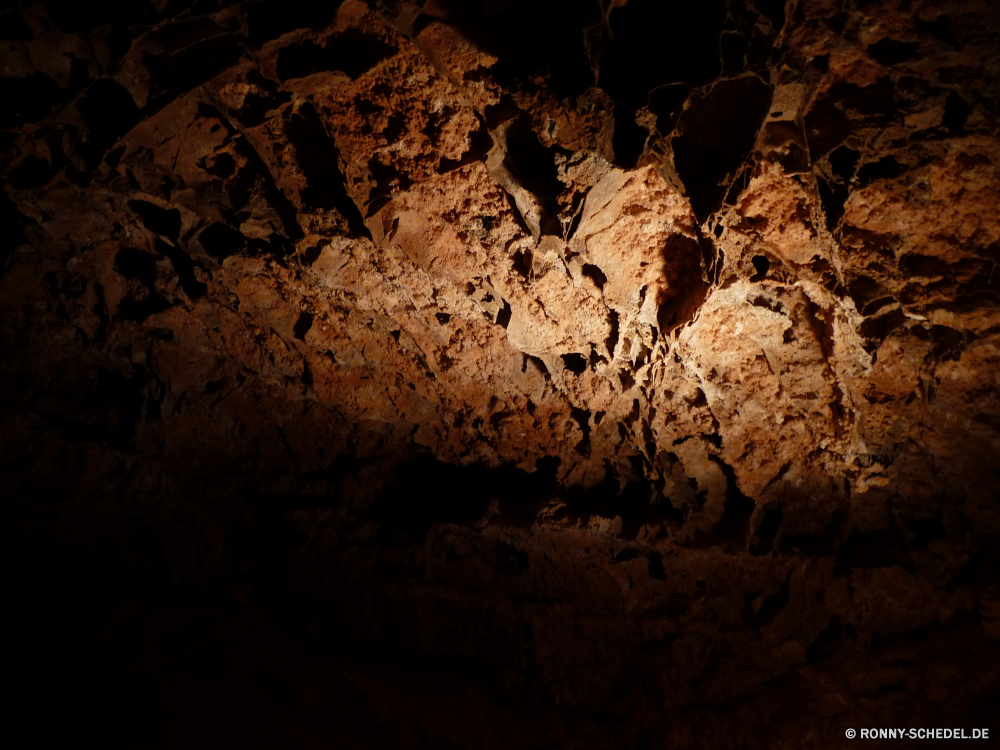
point(625, 361)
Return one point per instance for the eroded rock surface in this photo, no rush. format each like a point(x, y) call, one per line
point(632, 360)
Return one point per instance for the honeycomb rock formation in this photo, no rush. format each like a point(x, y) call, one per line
point(621, 373)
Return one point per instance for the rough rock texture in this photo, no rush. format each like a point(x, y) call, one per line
point(501, 374)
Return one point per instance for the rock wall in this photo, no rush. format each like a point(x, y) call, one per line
point(639, 359)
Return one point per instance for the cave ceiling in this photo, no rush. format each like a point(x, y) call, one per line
point(671, 325)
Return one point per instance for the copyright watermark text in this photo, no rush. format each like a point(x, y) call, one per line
point(918, 734)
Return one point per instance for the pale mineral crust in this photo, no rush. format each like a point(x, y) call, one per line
point(621, 373)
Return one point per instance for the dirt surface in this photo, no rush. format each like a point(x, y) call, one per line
point(500, 374)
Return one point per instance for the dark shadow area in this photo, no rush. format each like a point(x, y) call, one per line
point(826, 127)
point(270, 19)
point(715, 136)
point(136, 264)
point(655, 43)
point(762, 265)
point(575, 363)
point(682, 263)
point(761, 543)
point(350, 52)
point(12, 225)
point(533, 165)
point(71, 16)
point(504, 315)
point(29, 98)
point(388, 181)
point(734, 47)
point(184, 267)
point(109, 111)
point(426, 492)
point(142, 301)
point(629, 138)
point(892, 51)
point(845, 107)
point(774, 10)
point(886, 168)
point(595, 274)
point(256, 105)
point(667, 103)
point(956, 112)
point(12, 25)
point(221, 241)
point(117, 635)
point(939, 29)
point(318, 159)
point(844, 162)
point(163, 221)
point(302, 325)
point(172, 74)
point(139, 307)
point(531, 39)
point(34, 172)
point(833, 196)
